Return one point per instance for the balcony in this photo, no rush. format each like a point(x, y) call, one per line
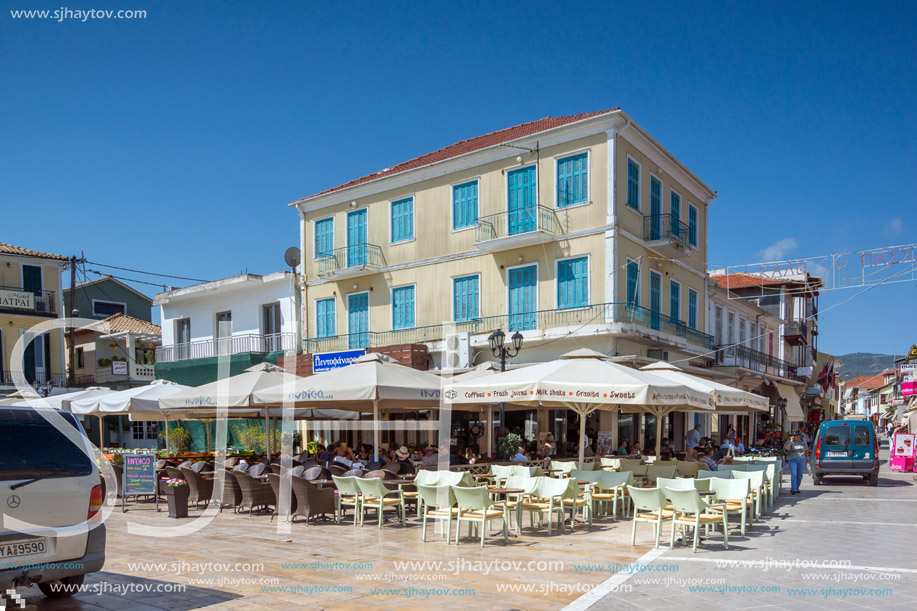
point(237, 344)
point(515, 229)
point(667, 235)
point(794, 333)
point(350, 261)
point(747, 358)
point(625, 312)
point(15, 300)
point(40, 379)
point(598, 315)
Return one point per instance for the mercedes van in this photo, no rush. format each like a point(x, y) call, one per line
point(846, 447)
point(50, 495)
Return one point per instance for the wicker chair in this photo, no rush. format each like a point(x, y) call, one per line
point(378, 474)
point(353, 473)
point(162, 463)
point(201, 488)
point(392, 467)
point(187, 463)
point(257, 469)
point(337, 470)
point(254, 493)
point(311, 501)
point(316, 473)
point(373, 465)
point(275, 468)
point(297, 471)
point(119, 476)
point(202, 466)
point(174, 472)
point(275, 481)
point(232, 493)
point(243, 467)
point(406, 468)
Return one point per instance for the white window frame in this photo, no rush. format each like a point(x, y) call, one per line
point(639, 208)
point(452, 187)
point(537, 283)
point(315, 314)
point(413, 237)
point(216, 323)
point(261, 315)
point(22, 275)
point(588, 201)
point(557, 263)
point(681, 205)
point(94, 301)
point(369, 320)
point(315, 223)
point(391, 300)
point(506, 184)
point(452, 301)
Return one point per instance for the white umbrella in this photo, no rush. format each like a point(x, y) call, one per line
point(372, 382)
point(19, 398)
point(723, 396)
point(583, 381)
point(140, 401)
point(235, 393)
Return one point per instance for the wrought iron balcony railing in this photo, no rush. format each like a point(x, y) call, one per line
point(748, 358)
point(237, 344)
point(353, 256)
point(515, 222)
point(602, 313)
point(15, 299)
point(666, 227)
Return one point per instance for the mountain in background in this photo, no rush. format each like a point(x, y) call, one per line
point(864, 363)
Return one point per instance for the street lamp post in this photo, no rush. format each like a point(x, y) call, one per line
point(496, 340)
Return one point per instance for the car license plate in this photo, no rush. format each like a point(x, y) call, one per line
point(32, 547)
point(837, 454)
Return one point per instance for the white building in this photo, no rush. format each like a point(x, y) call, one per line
point(250, 318)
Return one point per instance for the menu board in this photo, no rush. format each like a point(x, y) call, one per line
point(139, 474)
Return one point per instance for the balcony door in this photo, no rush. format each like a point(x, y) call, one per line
point(270, 326)
point(356, 238)
point(523, 295)
point(655, 209)
point(183, 338)
point(521, 201)
point(224, 332)
point(358, 320)
point(655, 300)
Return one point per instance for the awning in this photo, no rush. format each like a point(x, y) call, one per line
point(793, 408)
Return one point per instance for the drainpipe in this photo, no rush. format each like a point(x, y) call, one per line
point(300, 288)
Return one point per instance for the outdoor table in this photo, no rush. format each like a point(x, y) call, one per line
point(321, 483)
point(482, 475)
point(706, 492)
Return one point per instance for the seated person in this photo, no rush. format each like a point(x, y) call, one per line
point(622, 448)
point(403, 456)
point(636, 452)
point(340, 458)
point(691, 455)
point(470, 456)
point(708, 461)
point(665, 450)
point(430, 459)
point(520, 455)
point(740, 447)
point(327, 454)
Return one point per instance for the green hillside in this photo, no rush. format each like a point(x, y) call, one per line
point(865, 363)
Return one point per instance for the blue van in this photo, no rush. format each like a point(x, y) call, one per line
point(846, 447)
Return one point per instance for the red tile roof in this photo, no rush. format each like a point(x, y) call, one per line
point(869, 381)
point(744, 281)
point(468, 146)
point(9, 249)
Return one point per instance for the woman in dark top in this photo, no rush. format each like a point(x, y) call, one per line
point(795, 449)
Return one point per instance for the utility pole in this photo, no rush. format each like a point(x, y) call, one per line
point(71, 382)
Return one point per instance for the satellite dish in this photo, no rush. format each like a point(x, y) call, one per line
point(291, 256)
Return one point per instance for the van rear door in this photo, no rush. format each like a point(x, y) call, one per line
point(836, 447)
point(862, 447)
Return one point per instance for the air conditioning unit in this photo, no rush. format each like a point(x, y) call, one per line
point(662, 355)
point(457, 353)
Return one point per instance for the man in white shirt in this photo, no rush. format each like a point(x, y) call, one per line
point(692, 439)
point(429, 458)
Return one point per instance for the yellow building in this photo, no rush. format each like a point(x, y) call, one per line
point(576, 231)
point(30, 293)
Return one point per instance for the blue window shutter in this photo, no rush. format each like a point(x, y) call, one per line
point(633, 286)
point(674, 301)
point(692, 225)
point(573, 283)
point(633, 184)
point(572, 180)
point(403, 308)
point(466, 298)
point(325, 319)
point(464, 205)
point(675, 209)
point(324, 237)
point(403, 219)
point(692, 308)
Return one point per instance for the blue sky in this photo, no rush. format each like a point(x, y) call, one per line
point(174, 143)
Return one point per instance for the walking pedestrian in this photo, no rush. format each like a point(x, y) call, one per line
point(795, 449)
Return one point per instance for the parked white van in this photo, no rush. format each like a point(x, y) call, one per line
point(48, 484)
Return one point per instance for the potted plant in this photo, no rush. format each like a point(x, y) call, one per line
point(508, 444)
point(177, 493)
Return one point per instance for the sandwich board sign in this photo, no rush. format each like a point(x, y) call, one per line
point(139, 477)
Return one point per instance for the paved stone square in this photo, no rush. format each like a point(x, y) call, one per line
point(238, 562)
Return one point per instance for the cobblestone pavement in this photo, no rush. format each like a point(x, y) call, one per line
point(844, 545)
point(238, 562)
